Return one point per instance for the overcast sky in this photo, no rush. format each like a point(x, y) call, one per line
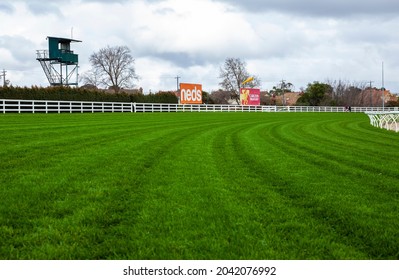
point(298, 41)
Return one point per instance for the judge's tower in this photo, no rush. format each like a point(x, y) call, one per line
point(59, 62)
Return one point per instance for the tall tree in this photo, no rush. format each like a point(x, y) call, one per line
point(282, 88)
point(233, 74)
point(314, 94)
point(114, 67)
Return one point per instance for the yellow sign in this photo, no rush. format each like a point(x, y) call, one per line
point(250, 79)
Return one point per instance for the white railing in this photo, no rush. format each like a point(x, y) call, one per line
point(47, 106)
point(154, 108)
point(386, 120)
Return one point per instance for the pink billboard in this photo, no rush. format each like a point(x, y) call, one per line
point(250, 96)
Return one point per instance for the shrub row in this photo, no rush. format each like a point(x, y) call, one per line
point(80, 94)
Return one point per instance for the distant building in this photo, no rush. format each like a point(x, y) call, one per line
point(272, 99)
point(377, 96)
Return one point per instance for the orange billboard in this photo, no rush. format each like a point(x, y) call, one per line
point(190, 94)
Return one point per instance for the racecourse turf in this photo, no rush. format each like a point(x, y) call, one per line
point(198, 186)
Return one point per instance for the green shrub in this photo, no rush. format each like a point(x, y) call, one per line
point(83, 94)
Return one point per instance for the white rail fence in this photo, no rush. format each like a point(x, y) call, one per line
point(47, 106)
point(386, 120)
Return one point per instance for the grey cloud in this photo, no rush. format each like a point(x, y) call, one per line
point(336, 8)
point(52, 6)
point(22, 49)
point(40, 8)
point(328, 8)
point(180, 59)
point(50, 2)
point(6, 8)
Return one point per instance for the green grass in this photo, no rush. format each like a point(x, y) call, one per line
point(198, 186)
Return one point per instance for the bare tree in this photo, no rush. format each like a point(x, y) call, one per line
point(345, 93)
point(233, 74)
point(220, 97)
point(91, 78)
point(114, 67)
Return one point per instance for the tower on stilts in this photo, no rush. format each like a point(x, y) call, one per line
point(59, 62)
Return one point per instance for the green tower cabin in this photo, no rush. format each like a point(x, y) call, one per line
point(59, 62)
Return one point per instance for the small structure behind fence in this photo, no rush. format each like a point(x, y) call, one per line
point(387, 120)
point(46, 106)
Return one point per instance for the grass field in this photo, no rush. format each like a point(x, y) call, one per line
point(198, 186)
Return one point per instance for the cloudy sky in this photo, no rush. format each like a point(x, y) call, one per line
point(298, 41)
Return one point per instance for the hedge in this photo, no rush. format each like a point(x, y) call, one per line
point(81, 94)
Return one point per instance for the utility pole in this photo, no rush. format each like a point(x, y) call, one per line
point(3, 74)
point(177, 80)
point(283, 90)
point(383, 88)
point(178, 88)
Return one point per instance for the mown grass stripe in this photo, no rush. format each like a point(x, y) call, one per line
point(291, 228)
point(316, 198)
point(197, 186)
